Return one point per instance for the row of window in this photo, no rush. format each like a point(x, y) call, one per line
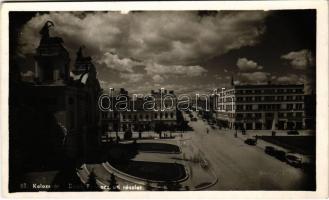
point(148, 116)
point(270, 91)
point(297, 106)
point(267, 115)
point(271, 98)
point(265, 107)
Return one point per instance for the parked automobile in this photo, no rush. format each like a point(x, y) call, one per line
point(280, 155)
point(270, 150)
point(251, 141)
point(213, 127)
point(294, 159)
point(293, 132)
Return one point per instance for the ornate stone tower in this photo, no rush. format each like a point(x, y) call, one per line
point(52, 59)
point(83, 63)
point(85, 68)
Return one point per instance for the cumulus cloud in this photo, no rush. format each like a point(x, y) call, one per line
point(103, 83)
point(155, 68)
point(254, 77)
point(158, 78)
point(132, 77)
point(299, 59)
point(167, 37)
point(164, 43)
point(218, 77)
point(114, 62)
point(290, 79)
point(247, 65)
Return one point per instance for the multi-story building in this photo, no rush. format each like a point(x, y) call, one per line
point(310, 111)
point(111, 118)
point(139, 116)
point(62, 104)
point(261, 107)
point(205, 106)
point(165, 107)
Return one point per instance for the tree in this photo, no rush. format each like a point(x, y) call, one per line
point(140, 131)
point(113, 185)
point(92, 182)
point(116, 128)
point(128, 134)
point(116, 124)
point(171, 129)
point(159, 128)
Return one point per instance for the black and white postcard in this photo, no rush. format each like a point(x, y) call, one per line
point(132, 98)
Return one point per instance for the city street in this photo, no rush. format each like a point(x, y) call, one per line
point(183, 100)
point(232, 164)
point(239, 166)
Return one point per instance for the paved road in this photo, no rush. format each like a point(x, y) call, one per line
point(243, 167)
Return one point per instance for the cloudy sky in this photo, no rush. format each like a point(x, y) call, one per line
point(184, 51)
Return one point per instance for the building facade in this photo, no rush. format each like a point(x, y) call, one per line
point(140, 117)
point(61, 102)
point(261, 107)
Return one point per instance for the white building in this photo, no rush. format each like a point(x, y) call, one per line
point(261, 107)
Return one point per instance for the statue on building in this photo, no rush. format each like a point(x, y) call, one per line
point(44, 32)
point(52, 59)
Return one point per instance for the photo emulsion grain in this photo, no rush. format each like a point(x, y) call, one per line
point(162, 100)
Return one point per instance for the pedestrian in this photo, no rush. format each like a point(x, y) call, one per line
point(207, 131)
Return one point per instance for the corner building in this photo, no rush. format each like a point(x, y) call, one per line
point(261, 107)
